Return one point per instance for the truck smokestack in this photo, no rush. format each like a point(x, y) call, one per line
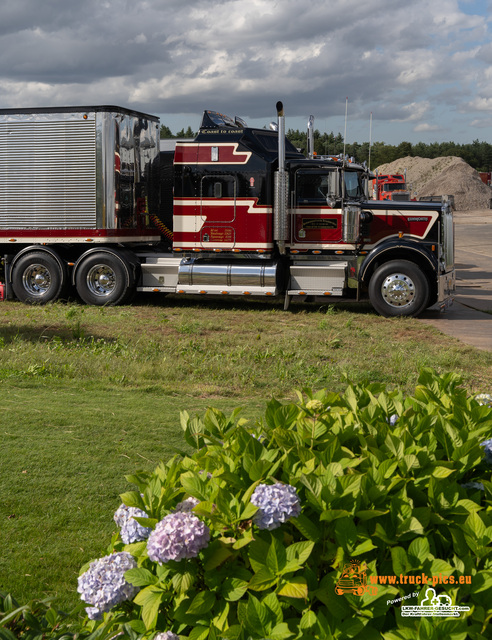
point(281, 185)
point(310, 138)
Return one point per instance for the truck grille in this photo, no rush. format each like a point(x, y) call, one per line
point(401, 197)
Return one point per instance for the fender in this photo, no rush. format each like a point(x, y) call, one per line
point(398, 249)
point(42, 248)
point(127, 259)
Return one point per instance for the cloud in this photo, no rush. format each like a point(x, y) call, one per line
point(403, 62)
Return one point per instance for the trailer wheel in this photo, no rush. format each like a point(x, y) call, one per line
point(105, 279)
point(399, 288)
point(38, 278)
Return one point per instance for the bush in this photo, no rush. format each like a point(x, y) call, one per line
point(36, 620)
point(387, 486)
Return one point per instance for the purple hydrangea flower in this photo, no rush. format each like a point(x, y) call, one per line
point(186, 505)
point(484, 399)
point(167, 635)
point(473, 485)
point(276, 504)
point(103, 585)
point(487, 445)
point(131, 530)
point(177, 536)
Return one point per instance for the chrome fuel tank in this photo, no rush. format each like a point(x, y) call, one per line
point(227, 274)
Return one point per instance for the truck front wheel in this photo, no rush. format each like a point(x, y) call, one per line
point(38, 278)
point(399, 288)
point(104, 279)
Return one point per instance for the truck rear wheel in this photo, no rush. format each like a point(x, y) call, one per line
point(399, 288)
point(105, 278)
point(38, 278)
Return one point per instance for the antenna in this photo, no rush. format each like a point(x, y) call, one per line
point(370, 142)
point(345, 132)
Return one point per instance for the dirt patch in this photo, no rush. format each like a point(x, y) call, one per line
point(447, 175)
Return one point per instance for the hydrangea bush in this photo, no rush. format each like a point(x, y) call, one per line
point(251, 526)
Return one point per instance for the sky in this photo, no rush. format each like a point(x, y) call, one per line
point(415, 70)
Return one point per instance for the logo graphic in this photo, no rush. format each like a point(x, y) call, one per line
point(354, 580)
point(433, 605)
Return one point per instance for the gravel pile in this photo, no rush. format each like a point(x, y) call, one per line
point(443, 176)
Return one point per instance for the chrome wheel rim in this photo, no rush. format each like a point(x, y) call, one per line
point(101, 280)
point(36, 279)
point(398, 290)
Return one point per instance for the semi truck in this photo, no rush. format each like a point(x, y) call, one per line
point(391, 187)
point(89, 205)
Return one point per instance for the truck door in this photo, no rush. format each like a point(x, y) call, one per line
point(315, 218)
point(218, 200)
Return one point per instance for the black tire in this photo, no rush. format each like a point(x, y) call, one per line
point(399, 288)
point(105, 278)
point(38, 278)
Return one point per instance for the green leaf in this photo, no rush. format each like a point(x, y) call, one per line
point(442, 472)
point(482, 581)
point(333, 514)
point(199, 633)
point(220, 555)
point(132, 499)
point(182, 582)
point(233, 589)
point(308, 529)
point(474, 526)
point(369, 514)
point(276, 558)
point(258, 616)
point(299, 551)
point(308, 620)
point(248, 512)
point(280, 632)
point(262, 580)
point(202, 603)
point(194, 485)
point(140, 577)
point(296, 587)
point(399, 560)
point(419, 548)
point(150, 599)
point(363, 547)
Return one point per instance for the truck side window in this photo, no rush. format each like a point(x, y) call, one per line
point(312, 188)
point(352, 185)
point(218, 186)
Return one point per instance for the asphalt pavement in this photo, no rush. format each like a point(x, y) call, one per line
point(469, 319)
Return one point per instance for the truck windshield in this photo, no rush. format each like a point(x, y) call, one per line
point(394, 186)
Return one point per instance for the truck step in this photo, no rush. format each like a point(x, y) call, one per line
point(159, 273)
point(313, 278)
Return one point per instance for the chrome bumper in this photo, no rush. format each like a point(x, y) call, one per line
point(446, 286)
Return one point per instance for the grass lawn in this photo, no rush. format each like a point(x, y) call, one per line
point(92, 394)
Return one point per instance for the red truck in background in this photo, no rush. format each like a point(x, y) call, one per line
point(390, 187)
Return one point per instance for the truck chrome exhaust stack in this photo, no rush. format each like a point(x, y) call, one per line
point(281, 186)
point(310, 138)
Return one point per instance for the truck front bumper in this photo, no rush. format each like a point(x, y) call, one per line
point(446, 286)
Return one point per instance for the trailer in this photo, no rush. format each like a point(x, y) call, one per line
point(89, 204)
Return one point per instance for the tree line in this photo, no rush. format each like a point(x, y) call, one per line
point(477, 154)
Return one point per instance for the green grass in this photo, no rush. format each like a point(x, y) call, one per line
point(89, 395)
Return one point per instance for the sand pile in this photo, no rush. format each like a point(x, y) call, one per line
point(443, 176)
